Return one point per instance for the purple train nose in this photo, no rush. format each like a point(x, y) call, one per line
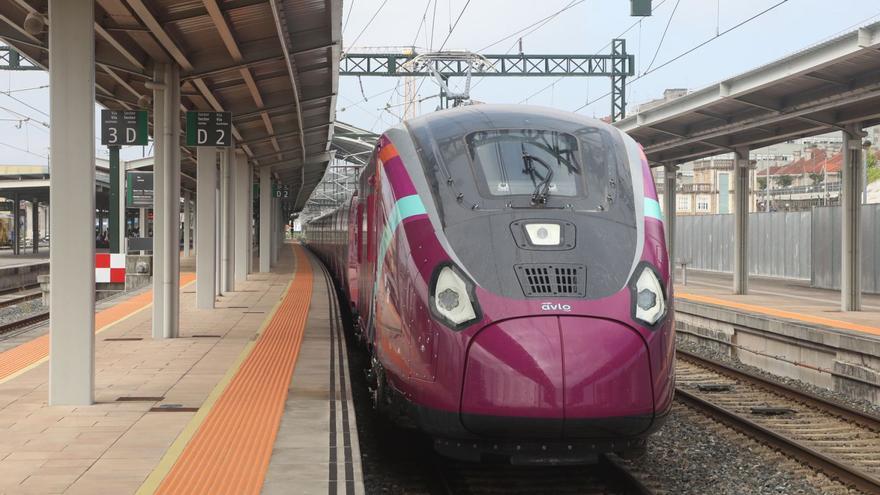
point(557, 376)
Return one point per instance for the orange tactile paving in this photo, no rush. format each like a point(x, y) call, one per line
point(30, 353)
point(754, 308)
point(231, 450)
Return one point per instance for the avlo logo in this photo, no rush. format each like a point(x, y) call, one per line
point(548, 306)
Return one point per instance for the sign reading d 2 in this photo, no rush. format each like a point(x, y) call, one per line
point(124, 127)
point(209, 129)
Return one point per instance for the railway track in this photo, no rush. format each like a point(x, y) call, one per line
point(9, 328)
point(841, 442)
point(610, 476)
point(18, 297)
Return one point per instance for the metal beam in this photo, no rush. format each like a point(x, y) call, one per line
point(395, 64)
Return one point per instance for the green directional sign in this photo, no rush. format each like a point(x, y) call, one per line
point(209, 129)
point(124, 127)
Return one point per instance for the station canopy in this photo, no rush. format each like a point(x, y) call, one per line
point(818, 90)
point(273, 63)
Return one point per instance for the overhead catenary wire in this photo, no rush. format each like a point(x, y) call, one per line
point(663, 37)
point(607, 45)
point(367, 25)
point(570, 5)
point(347, 16)
point(688, 51)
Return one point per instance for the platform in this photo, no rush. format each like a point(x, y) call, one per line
point(253, 397)
point(787, 328)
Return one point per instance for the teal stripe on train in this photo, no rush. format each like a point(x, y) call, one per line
point(405, 207)
point(652, 209)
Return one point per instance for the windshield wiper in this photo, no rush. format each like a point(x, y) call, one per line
point(541, 182)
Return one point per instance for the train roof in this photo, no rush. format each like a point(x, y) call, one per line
point(504, 116)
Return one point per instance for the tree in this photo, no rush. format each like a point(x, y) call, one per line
point(817, 178)
point(784, 180)
point(872, 158)
point(762, 183)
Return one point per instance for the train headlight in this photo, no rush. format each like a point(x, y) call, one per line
point(648, 297)
point(544, 234)
point(452, 297)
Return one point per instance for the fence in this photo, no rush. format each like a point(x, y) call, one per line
point(793, 245)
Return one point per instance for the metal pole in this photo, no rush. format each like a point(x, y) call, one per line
point(669, 193)
point(228, 215)
point(187, 223)
point(741, 222)
point(72, 185)
point(242, 222)
point(113, 230)
point(206, 223)
point(851, 260)
point(35, 225)
point(159, 192)
point(171, 222)
point(265, 219)
point(16, 223)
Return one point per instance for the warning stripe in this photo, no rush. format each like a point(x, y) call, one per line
point(25, 356)
point(230, 451)
point(754, 308)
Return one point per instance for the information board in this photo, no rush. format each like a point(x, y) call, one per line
point(209, 129)
point(124, 127)
point(139, 190)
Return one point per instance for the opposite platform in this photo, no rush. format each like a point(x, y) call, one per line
point(787, 328)
point(157, 398)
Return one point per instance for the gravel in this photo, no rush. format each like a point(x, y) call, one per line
point(693, 454)
point(10, 314)
point(715, 355)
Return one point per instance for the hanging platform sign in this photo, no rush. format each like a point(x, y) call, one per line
point(139, 192)
point(124, 127)
point(209, 129)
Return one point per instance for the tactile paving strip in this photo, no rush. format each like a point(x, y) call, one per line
point(231, 450)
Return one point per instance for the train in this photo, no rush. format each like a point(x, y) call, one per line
point(507, 271)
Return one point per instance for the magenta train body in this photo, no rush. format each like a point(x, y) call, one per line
point(509, 275)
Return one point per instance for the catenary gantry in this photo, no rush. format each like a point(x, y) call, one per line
point(834, 85)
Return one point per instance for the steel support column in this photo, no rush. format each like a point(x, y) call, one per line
point(35, 225)
point(850, 202)
point(159, 144)
point(187, 223)
point(265, 219)
point(741, 221)
point(16, 223)
point(276, 222)
point(250, 218)
point(72, 185)
point(206, 223)
point(669, 189)
point(171, 223)
point(242, 222)
point(227, 201)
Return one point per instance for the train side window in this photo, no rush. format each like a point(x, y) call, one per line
point(359, 230)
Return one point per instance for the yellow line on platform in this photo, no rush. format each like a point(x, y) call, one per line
point(173, 454)
point(26, 356)
point(754, 308)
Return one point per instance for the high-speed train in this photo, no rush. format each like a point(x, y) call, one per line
point(509, 276)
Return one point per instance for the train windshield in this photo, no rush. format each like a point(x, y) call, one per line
point(516, 162)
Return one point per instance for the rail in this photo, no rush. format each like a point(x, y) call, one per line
point(737, 389)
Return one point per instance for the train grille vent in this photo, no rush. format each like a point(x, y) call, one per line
point(543, 280)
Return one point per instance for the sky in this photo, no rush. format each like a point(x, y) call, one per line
point(585, 28)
